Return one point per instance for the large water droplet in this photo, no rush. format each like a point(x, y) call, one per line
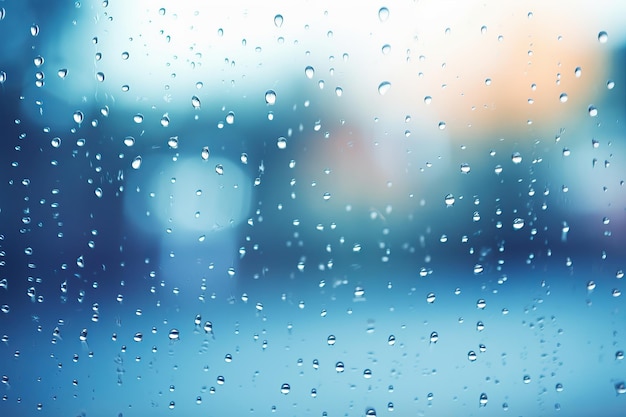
point(384, 87)
point(278, 20)
point(136, 164)
point(383, 14)
point(79, 117)
point(270, 97)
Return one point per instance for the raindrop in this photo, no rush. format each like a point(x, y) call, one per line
point(173, 142)
point(38, 61)
point(205, 154)
point(136, 164)
point(270, 97)
point(428, 99)
point(449, 200)
point(483, 30)
point(563, 97)
point(383, 14)
point(285, 388)
point(278, 20)
point(339, 91)
point(367, 374)
point(526, 379)
point(34, 30)
point(174, 334)
point(558, 387)
point(125, 55)
point(518, 223)
point(578, 72)
point(465, 168)
point(309, 72)
point(442, 125)
point(3, 77)
point(138, 337)
point(481, 304)
point(471, 356)
point(391, 340)
point(516, 157)
point(195, 102)
point(79, 117)
point(138, 118)
point(603, 37)
point(230, 118)
point(434, 337)
point(430, 297)
point(620, 388)
point(129, 141)
point(55, 142)
point(386, 49)
point(384, 87)
point(610, 84)
point(482, 402)
point(100, 76)
point(370, 412)
point(331, 340)
point(593, 111)
point(165, 120)
point(219, 169)
point(339, 367)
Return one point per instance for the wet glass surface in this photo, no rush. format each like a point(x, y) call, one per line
point(312, 209)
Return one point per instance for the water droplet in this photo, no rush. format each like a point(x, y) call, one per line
point(603, 37)
point(434, 337)
point(165, 120)
point(278, 20)
point(610, 84)
point(100, 77)
point(172, 142)
point(518, 223)
point(3, 77)
point(471, 356)
point(331, 340)
point(230, 118)
point(430, 297)
point(391, 340)
point(129, 141)
point(516, 157)
point(526, 379)
point(309, 72)
point(384, 87)
point(136, 164)
point(125, 55)
point(482, 401)
point(620, 388)
point(558, 387)
point(592, 110)
point(281, 143)
point(386, 49)
point(195, 102)
point(465, 168)
point(79, 117)
point(481, 304)
point(449, 200)
point(174, 334)
point(383, 14)
point(38, 61)
point(428, 99)
point(83, 335)
point(34, 30)
point(138, 118)
point(3, 13)
point(563, 97)
point(483, 30)
point(219, 169)
point(487, 81)
point(205, 154)
point(138, 337)
point(441, 125)
point(55, 142)
point(270, 97)
point(619, 355)
point(578, 72)
point(339, 367)
point(370, 412)
point(339, 91)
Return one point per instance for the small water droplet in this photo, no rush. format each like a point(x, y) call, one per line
point(165, 120)
point(100, 77)
point(278, 20)
point(578, 72)
point(125, 55)
point(428, 99)
point(205, 153)
point(391, 340)
point(339, 91)
point(430, 297)
point(138, 118)
point(516, 157)
point(465, 168)
point(449, 200)
point(281, 143)
point(219, 169)
point(383, 14)
point(339, 367)
point(195, 102)
point(481, 304)
point(558, 387)
point(331, 340)
point(230, 118)
point(285, 388)
point(471, 356)
point(526, 379)
point(518, 223)
point(129, 141)
point(38, 61)
point(563, 97)
point(34, 30)
point(386, 49)
point(603, 37)
point(441, 125)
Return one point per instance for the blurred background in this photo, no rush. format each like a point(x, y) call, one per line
point(312, 209)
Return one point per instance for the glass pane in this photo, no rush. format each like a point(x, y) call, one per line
point(312, 208)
